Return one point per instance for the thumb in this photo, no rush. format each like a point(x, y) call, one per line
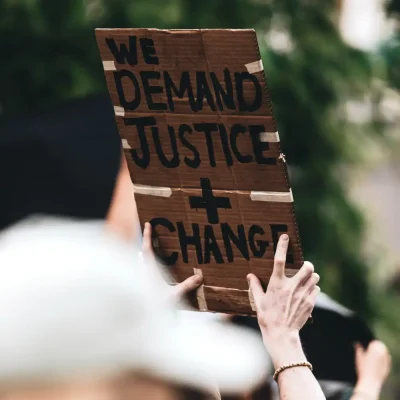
point(255, 289)
point(147, 245)
point(359, 352)
point(189, 284)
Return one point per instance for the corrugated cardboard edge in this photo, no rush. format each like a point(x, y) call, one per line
point(282, 160)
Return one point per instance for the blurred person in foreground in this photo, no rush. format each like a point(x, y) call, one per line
point(82, 317)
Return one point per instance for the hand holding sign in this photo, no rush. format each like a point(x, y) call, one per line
point(286, 305)
point(180, 290)
point(204, 155)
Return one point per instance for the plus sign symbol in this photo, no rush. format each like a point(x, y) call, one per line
point(209, 202)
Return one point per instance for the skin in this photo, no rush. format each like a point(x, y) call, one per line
point(281, 312)
point(122, 220)
point(373, 366)
point(122, 217)
point(118, 389)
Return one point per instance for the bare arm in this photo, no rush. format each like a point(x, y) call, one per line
point(282, 311)
point(122, 218)
point(373, 367)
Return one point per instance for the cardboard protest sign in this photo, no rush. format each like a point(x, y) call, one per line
point(197, 128)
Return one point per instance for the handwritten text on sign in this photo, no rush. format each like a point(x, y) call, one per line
point(195, 89)
point(203, 151)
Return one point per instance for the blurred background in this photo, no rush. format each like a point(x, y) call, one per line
point(333, 69)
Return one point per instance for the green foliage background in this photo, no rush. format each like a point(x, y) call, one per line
point(48, 54)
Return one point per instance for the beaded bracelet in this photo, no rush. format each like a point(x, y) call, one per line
point(292, 365)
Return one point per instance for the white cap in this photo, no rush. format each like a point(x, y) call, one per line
point(76, 303)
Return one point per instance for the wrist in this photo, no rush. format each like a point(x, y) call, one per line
point(369, 387)
point(284, 348)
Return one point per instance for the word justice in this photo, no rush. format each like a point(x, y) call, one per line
point(170, 157)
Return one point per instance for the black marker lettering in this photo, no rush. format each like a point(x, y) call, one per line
point(174, 161)
point(203, 91)
point(225, 145)
point(243, 106)
point(141, 123)
point(186, 241)
point(122, 54)
point(207, 128)
point(227, 95)
point(149, 90)
point(239, 241)
point(211, 246)
point(127, 104)
point(235, 130)
point(185, 86)
point(149, 52)
point(173, 257)
point(195, 162)
point(209, 202)
point(258, 247)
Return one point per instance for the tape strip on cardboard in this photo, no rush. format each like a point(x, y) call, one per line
point(119, 111)
point(271, 137)
point(201, 298)
point(275, 197)
point(254, 67)
point(109, 66)
point(152, 190)
point(125, 144)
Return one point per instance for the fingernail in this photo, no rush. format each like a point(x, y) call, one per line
point(285, 237)
point(198, 279)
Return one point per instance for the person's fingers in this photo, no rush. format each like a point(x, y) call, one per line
point(280, 256)
point(359, 352)
point(311, 282)
point(147, 245)
point(189, 284)
point(304, 273)
point(312, 297)
point(255, 289)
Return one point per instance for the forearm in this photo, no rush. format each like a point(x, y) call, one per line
point(366, 390)
point(297, 382)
